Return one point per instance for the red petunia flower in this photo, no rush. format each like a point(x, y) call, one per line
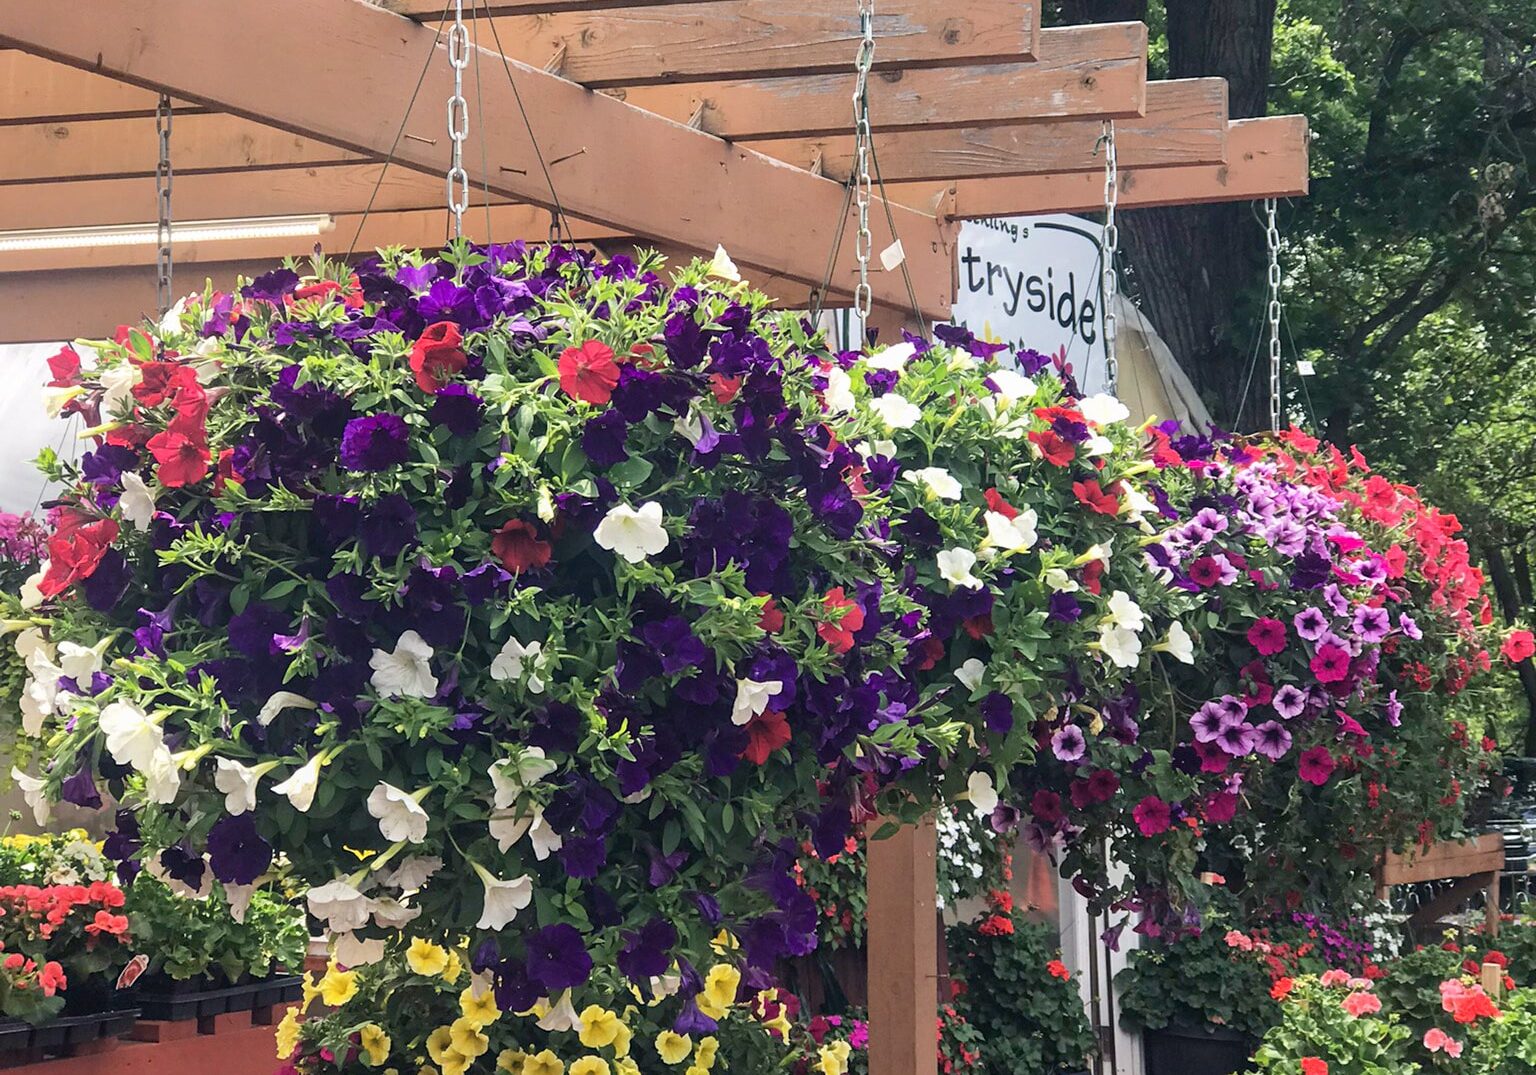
point(1330, 663)
point(772, 618)
point(1052, 448)
point(74, 552)
point(1519, 646)
point(1152, 816)
point(183, 460)
point(767, 732)
point(844, 617)
point(159, 381)
point(588, 372)
point(1314, 1065)
point(724, 388)
point(519, 548)
point(438, 355)
point(1095, 498)
point(995, 502)
point(1206, 571)
point(65, 367)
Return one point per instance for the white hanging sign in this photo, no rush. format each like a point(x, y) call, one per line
point(1033, 282)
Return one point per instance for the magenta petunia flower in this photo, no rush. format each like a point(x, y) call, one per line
point(1330, 663)
point(1267, 635)
point(1316, 765)
point(1152, 816)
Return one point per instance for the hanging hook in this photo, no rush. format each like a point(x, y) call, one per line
point(1272, 239)
point(458, 119)
point(1109, 243)
point(163, 113)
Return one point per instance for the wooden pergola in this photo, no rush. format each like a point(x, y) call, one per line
point(680, 124)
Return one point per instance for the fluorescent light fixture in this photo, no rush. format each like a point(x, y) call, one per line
point(191, 231)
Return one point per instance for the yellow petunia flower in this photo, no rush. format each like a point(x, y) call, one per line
point(338, 986)
point(427, 1069)
point(719, 990)
point(590, 1065)
point(546, 1063)
point(626, 1067)
point(288, 1034)
point(480, 1010)
point(621, 1040)
point(311, 987)
point(725, 941)
point(426, 958)
point(833, 1058)
point(599, 1027)
point(696, 1070)
point(374, 1043)
point(704, 1055)
point(455, 1063)
point(466, 1038)
point(511, 1060)
point(451, 971)
point(673, 1047)
point(439, 1044)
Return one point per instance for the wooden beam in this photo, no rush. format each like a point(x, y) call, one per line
point(209, 142)
point(34, 90)
point(1186, 123)
point(707, 42)
point(433, 11)
point(903, 952)
point(417, 229)
point(1266, 158)
point(1097, 71)
point(319, 68)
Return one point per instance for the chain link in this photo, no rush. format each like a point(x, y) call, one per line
point(1109, 243)
point(458, 119)
point(163, 203)
point(1272, 237)
point(863, 185)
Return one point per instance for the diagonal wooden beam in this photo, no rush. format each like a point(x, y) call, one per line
point(319, 68)
point(1098, 71)
point(35, 90)
point(739, 38)
point(1266, 158)
point(433, 10)
point(1186, 123)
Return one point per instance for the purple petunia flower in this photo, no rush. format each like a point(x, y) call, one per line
point(603, 437)
point(1410, 627)
point(997, 711)
point(557, 958)
point(1271, 740)
point(1069, 744)
point(1208, 722)
point(647, 952)
point(236, 851)
point(675, 644)
point(1289, 701)
point(1394, 710)
point(1372, 624)
point(377, 442)
point(457, 409)
point(388, 528)
point(1064, 607)
point(1310, 623)
point(1236, 739)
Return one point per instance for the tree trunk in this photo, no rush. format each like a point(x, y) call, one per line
point(1507, 591)
point(1193, 267)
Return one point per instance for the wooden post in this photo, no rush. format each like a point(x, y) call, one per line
point(903, 952)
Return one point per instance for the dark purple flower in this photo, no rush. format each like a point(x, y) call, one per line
point(236, 851)
point(675, 644)
point(603, 437)
point(997, 712)
point(388, 527)
point(647, 953)
point(457, 409)
point(149, 636)
point(271, 286)
point(181, 865)
point(80, 789)
point(583, 856)
point(377, 442)
point(1064, 607)
point(557, 958)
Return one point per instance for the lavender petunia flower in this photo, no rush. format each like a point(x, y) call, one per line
point(1069, 744)
point(1310, 623)
point(1271, 740)
point(1289, 701)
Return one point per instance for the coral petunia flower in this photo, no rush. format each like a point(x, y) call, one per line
point(845, 617)
point(588, 372)
point(438, 355)
point(183, 460)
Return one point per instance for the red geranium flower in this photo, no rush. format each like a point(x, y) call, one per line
point(766, 732)
point(518, 546)
point(1057, 969)
point(844, 617)
point(183, 460)
point(588, 372)
point(1053, 448)
point(1313, 1065)
point(1282, 988)
point(1519, 646)
point(1095, 498)
point(438, 355)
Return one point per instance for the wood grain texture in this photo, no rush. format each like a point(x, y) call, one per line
point(903, 952)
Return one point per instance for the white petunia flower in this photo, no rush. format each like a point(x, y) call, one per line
point(239, 899)
point(414, 872)
point(955, 568)
point(32, 790)
point(407, 672)
point(39, 699)
point(79, 662)
point(301, 786)
point(30, 641)
point(981, 792)
point(392, 914)
point(513, 776)
point(162, 778)
point(339, 905)
point(1098, 445)
point(1012, 535)
point(31, 595)
point(722, 267)
point(503, 899)
point(896, 411)
point(633, 533)
point(399, 814)
point(170, 324)
point(752, 698)
point(280, 701)
point(1178, 644)
point(1120, 644)
point(238, 783)
point(54, 398)
point(137, 502)
point(1124, 612)
point(839, 394)
point(545, 840)
point(1102, 409)
point(893, 358)
point(132, 737)
point(937, 481)
point(509, 663)
point(970, 674)
point(349, 950)
point(506, 828)
point(560, 1016)
point(1011, 386)
point(118, 381)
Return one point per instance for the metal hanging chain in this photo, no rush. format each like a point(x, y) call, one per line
point(1272, 236)
point(458, 119)
point(1109, 243)
point(163, 201)
point(861, 180)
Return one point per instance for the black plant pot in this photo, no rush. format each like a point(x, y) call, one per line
point(1202, 1050)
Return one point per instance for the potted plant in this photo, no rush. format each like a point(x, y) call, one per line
point(79, 928)
point(1011, 986)
point(1335, 1025)
point(1200, 1003)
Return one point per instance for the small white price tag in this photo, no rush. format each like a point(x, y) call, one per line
point(1305, 368)
point(892, 256)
